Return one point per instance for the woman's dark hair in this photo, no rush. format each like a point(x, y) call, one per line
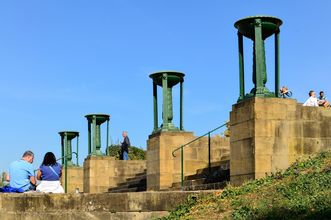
point(49, 159)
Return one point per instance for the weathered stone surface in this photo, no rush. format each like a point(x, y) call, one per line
point(268, 134)
point(75, 179)
point(82, 215)
point(144, 205)
point(163, 169)
point(102, 173)
point(160, 162)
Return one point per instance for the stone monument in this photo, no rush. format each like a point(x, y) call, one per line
point(258, 29)
point(269, 133)
point(167, 80)
point(72, 177)
point(94, 133)
point(66, 146)
point(162, 168)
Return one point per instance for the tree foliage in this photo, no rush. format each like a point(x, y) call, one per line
point(135, 153)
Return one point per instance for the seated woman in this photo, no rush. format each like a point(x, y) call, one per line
point(49, 173)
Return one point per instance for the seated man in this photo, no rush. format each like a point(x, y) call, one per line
point(322, 100)
point(312, 100)
point(21, 173)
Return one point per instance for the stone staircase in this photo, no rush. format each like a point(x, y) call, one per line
point(134, 184)
point(202, 180)
point(218, 177)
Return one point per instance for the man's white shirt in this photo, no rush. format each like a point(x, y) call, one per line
point(312, 101)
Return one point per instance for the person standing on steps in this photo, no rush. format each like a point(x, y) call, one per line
point(125, 146)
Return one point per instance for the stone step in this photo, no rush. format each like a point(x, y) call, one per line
point(133, 182)
point(217, 174)
point(222, 165)
point(204, 173)
point(132, 189)
point(196, 176)
point(206, 186)
point(138, 176)
point(137, 183)
point(194, 182)
point(141, 188)
point(78, 215)
point(206, 179)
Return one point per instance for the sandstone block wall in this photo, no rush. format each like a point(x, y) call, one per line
point(75, 179)
point(268, 134)
point(161, 166)
point(138, 206)
point(103, 172)
point(163, 169)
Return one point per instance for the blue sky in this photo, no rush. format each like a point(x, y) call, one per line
point(60, 60)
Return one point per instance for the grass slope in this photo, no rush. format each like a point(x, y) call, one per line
point(303, 191)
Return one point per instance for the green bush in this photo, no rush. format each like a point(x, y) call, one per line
point(135, 153)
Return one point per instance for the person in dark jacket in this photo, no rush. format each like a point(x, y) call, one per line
point(125, 146)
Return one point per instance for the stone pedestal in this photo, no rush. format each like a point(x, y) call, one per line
point(259, 133)
point(104, 172)
point(268, 134)
point(75, 178)
point(162, 168)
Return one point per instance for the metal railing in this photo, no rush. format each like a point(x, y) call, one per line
point(68, 156)
point(181, 148)
point(66, 169)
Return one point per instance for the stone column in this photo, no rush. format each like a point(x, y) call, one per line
point(241, 67)
point(259, 71)
point(277, 63)
point(258, 29)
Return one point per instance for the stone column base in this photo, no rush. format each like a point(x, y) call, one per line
point(162, 168)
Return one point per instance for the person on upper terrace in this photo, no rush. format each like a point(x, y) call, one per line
point(312, 100)
point(322, 100)
point(285, 92)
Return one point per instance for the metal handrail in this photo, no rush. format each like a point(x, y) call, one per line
point(68, 156)
point(181, 148)
point(66, 168)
